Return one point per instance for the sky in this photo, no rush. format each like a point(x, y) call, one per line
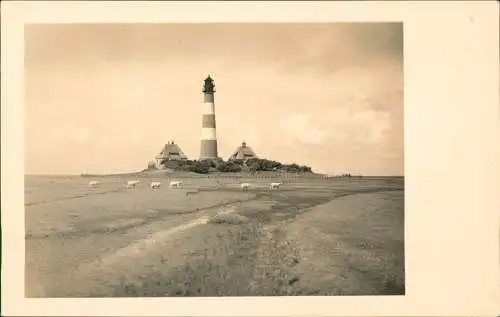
point(105, 98)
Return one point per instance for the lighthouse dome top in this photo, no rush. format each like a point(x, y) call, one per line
point(209, 86)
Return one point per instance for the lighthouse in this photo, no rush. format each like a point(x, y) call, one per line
point(208, 149)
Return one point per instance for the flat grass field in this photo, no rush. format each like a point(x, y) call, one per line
point(210, 238)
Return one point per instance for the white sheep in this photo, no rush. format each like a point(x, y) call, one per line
point(275, 186)
point(93, 183)
point(132, 184)
point(155, 185)
point(175, 184)
point(246, 186)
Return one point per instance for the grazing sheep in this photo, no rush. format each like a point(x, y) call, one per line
point(175, 184)
point(132, 184)
point(246, 186)
point(155, 185)
point(93, 183)
point(275, 186)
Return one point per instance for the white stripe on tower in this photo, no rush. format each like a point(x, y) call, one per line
point(208, 132)
point(208, 108)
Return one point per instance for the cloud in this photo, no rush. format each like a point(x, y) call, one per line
point(301, 127)
point(358, 127)
point(288, 90)
point(324, 47)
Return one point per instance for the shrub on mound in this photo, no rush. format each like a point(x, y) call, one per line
point(235, 166)
point(201, 167)
point(229, 167)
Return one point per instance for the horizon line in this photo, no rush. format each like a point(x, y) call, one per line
point(133, 172)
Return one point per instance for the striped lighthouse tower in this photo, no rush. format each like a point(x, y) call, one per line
point(208, 135)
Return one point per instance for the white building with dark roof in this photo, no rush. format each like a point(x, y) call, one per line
point(170, 152)
point(243, 152)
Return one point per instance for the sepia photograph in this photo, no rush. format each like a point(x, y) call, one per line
point(250, 158)
point(214, 159)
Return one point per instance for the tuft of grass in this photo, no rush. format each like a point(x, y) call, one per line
point(230, 219)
